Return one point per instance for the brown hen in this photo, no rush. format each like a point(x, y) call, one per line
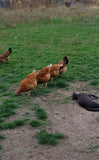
point(43, 76)
point(5, 55)
point(64, 61)
point(27, 84)
point(54, 71)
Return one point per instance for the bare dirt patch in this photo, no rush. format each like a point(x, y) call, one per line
point(66, 117)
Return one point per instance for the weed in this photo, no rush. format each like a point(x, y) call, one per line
point(97, 118)
point(1, 120)
point(26, 114)
point(2, 137)
point(12, 125)
point(40, 112)
point(60, 136)
point(3, 87)
point(29, 151)
point(91, 149)
point(94, 82)
point(48, 138)
point(6, 108)
point(0, 147)
point(56, 113)
point(36, 123)
point(65, 100)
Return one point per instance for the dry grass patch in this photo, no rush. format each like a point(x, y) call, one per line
point(75, 13)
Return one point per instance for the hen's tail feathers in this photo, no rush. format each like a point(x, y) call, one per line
point(33, 71)
point(66, 60)
point(50, 65)
point(10, 50)
point(61, 66)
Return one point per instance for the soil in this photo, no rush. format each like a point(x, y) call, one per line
point(66, 117)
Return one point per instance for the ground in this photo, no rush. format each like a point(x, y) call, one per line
point(66, 117)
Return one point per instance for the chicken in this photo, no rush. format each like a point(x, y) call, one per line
point(64, 61)
point(27, 84)
point(5, 55)
point(54, 71)
point(43, 75)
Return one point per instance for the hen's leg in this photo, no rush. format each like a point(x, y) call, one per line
point(41, 86)
point(45, 85)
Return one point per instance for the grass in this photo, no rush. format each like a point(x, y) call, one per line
point(38, 38)
point(94, 82)
point(40, 112)
point(48, 138)
point(1, 120)
point(52, 36)
point(6, 108)
point(91, 149)
point(35, 45)
point(36, 123)
point(0, 146)
point(12, 125)
point(2, 137)
point(97, 118)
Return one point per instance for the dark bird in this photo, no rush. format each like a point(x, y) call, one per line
point(86, 101)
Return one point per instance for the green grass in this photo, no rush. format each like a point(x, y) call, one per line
point(39, 112)
point(6, 108)
point(94, 82)
point(12, 125)
point(1, 120)
point(36, 45)
point(2, 137)
point(46, 138)
point(36, 123)
point(0, 146)
point(97, 118)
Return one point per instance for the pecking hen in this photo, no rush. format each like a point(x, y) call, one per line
point(64, 61)
point(27, 84)
point(54, 71)
point(5, 55)
point(43, 76)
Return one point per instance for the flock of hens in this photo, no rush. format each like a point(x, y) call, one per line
point(43, 76)
point(50, 72)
